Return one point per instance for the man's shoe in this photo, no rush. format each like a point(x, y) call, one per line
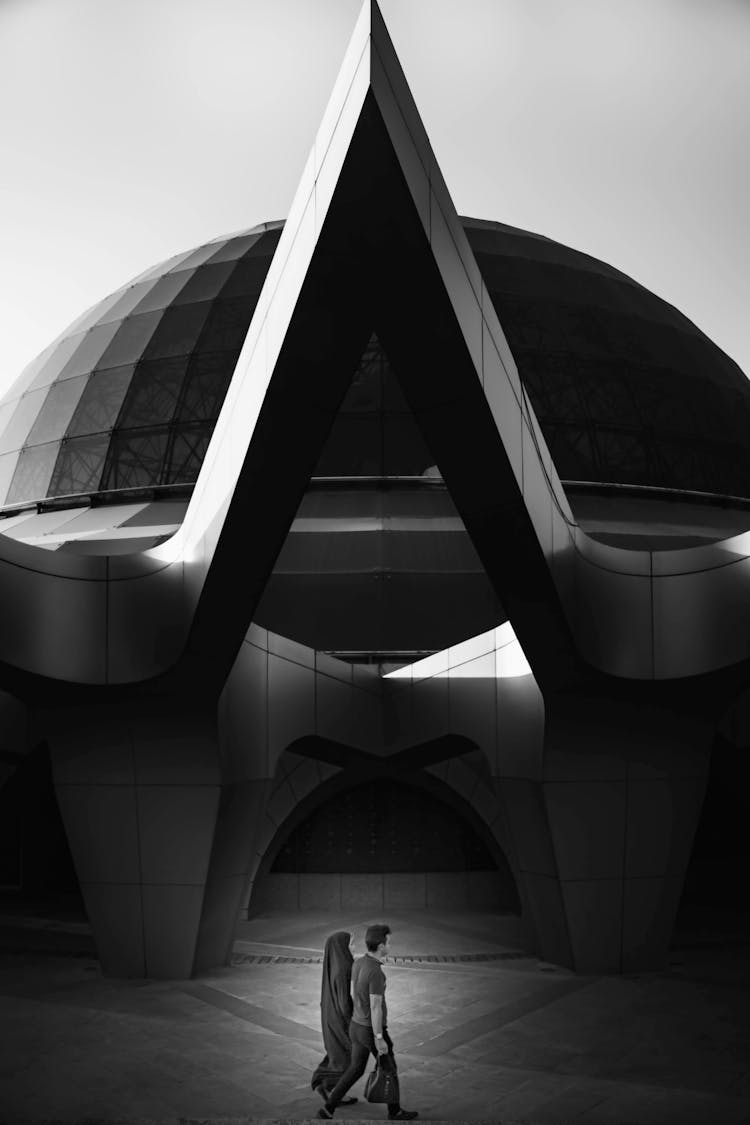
point(403, 1115)
point(325, 1113)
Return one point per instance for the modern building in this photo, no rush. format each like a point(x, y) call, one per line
point(378, 558)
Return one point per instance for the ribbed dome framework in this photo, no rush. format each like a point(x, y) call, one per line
point(128, 397)
point(626, 389)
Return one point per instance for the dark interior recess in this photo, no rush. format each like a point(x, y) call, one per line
point(383, 825)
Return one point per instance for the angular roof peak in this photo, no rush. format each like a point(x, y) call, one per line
point(371, 197)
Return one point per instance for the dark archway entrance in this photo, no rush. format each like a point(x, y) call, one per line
point(385, 843)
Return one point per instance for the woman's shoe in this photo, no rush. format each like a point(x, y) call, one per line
point(325, 1095)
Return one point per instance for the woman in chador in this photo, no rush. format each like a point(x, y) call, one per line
point(335, 1013)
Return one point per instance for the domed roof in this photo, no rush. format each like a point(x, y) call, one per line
point(127, 397)
point(626, 389)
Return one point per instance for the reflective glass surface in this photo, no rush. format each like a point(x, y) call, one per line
point(101, 401)
point(236, 247)
point(33, 472)
point(203, 284)
point(136, 458)
point(626, 389)
point(50, 370)
point(7, 469)
point(199, 257)
point(53, 419)
point(177, 331)
point(129, 298)
point(130, 339)
point(153, 393)
point(6, 413)
point(129, 396)
point(163, 291)
point(189, 444)
point(375, 433)
point(204, 387)
point(89, 351)
point(79, 464)
point(21, 420)
point(31, 372)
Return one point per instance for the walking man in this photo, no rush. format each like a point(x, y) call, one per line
point(368, 1030)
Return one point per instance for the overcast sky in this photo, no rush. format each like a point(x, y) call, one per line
point(133, 129)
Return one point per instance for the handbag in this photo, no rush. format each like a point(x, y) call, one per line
point(382, 1082)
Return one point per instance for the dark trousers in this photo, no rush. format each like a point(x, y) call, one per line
point(363, 1045)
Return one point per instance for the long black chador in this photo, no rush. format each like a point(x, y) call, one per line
point(335, 1012)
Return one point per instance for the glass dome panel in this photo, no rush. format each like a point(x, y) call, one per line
point(204, 284)
point(101, 401)
point(78, 469)
point(625, 388)
point(130, 340)
point(23, 417)
point(129, 298)
point(59, 405)
point(33, 472)
point(56, 361)
point(89, 351)
point(164, 291)
point(7, 468)
point(236, 248)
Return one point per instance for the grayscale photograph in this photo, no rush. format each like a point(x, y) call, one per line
point(374, 562)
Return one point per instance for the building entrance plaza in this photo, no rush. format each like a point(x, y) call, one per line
point(483, 1031)
point(379, 563)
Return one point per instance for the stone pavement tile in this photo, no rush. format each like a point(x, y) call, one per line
point(569, 1104)
point(487, 1030)
point(152, 1047)
point(456, 1091)
point(444, 1010)
point(523, 1100)
point(475, 932)
point(527, 1057)
point(613, 1028)
point(738, 1085)
point(658, 1035)
point(280, 998)
point(519, 1044)
point(110, 1062)
point(414, 932)
point(275, 985)
point(648, 1105)
point(257, 1014)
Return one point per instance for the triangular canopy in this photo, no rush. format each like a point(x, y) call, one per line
point(372, 242)
point(373, 239)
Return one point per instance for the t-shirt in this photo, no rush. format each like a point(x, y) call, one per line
point(367, 977)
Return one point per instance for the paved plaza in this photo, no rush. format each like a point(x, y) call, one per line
point(482, 1031)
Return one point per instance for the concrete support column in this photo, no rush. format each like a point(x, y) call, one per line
point(161, 838)
point(603, 824)
point(232, 864)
